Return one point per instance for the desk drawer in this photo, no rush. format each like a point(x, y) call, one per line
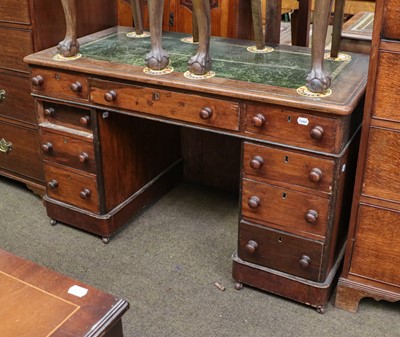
point(17, 102)
point(281, 251)
point(175, 105)
point(15, 45)
point(391, 15)
point(15, 11)
point(59, 84)
point(71, 151)
point(386, 105)
point(66, 116)
point(286, 208)
point(20, 151)
point(290, 127)
point(263, 162)
point(72, 187)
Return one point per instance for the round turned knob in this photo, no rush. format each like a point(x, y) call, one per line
point(257, 162)
point(110, 96)
point(85, 193)
point(84, 120)
point(315, 175)
point(53, 184)
point(37, 80)
point(311, 216)
point(258, 120)
point(83, 157)
point(317, 132)
point(49, 112)
point(253, 202)
point(206, 113)
point(76, 87)
point(47, 147)
point(304, 261)
point(251, 247)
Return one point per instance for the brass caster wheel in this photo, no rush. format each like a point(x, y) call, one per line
point(105, 240)
point(238, 285)
point(53, 222)
point(321, 309)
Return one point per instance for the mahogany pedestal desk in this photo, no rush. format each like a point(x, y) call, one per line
point(38, 302)
point(111, 145)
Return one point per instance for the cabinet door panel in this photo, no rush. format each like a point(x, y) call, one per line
point(391, 26)
point(15, 11)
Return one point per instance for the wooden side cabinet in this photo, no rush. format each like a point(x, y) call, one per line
point(373, 251)
point(28, 26)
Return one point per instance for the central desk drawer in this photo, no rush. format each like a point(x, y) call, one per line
point(287, 208)
point(281, 251)
point(169, 104)
point(72, 187)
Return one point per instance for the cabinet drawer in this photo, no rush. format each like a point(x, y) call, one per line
point(294, 128)
point(72, 187)
point(17, 102)
point(287, 208)
point(179, 106)
point(281, 251)
point(20, 151)
point(263, 162)
point(391, 15)
point(15, 45)
point(67, 150)
point(376, 250)
point(64, 115)
point(381, 177)
point(386, 104)
point(15, 11)
point(59, 84)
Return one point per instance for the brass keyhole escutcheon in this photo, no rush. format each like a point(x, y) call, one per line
point(156, 96)
point(5, 146)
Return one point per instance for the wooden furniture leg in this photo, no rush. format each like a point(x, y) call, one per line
point(317, 80)
point(273, 25)
point(337, 27)
point(137, 16)
point(301, 26)
point(70, 45)
point(256, 12)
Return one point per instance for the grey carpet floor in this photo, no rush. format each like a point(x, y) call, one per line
point(165, 263)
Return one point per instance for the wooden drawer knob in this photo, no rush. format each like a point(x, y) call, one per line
point(253, 202)
point(251, 247)
point(110, 96)
point(258, 121)
point(317, 132)
point(49, 112)
point(311, 216)
point(85, 193)
point(257, 162)
point(84, 120)
point(305, 261)
point(47, 147)
point(315, 175)
point(53, 184)
point(206, 113)
point(37, 80)
point(76, 87)
point(83, 157)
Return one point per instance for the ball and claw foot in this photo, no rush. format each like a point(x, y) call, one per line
point(68, 47)
point(53, 222)
point(105, 240)
point(157, 60)
point(321, 309)
point(318, 81)
point(238, 285)
point(200, 64)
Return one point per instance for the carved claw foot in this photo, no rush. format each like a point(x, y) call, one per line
point(318, 81)
point(68, 47)
point(200, 64)
point(157, 59)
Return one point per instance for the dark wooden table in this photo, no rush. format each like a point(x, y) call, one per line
point(36, 301)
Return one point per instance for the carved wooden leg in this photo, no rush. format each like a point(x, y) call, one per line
point(195, 28)
point(337, 27)
point(157, 59)
point(69, 46)
point(273, 24)
point(317, 79)
point(256, 12)
point(137, 16)
point(200, 63)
